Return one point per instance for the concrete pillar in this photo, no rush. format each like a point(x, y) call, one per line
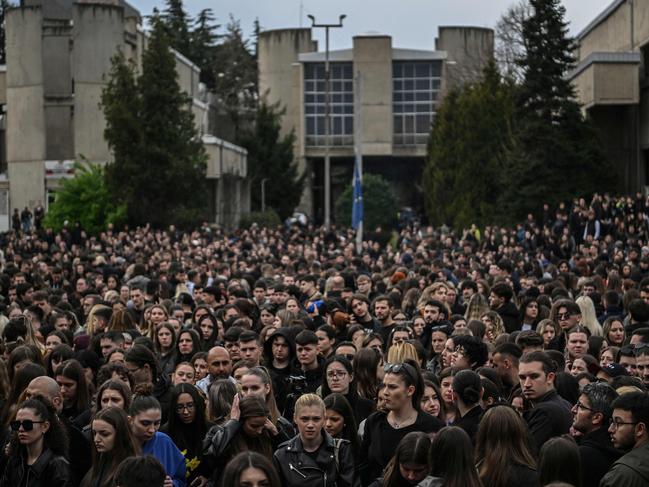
point(25, 114)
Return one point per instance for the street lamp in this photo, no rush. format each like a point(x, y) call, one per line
point(327, 162)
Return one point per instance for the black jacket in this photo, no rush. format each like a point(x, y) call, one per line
point(631, 470)
point(330, 466)
point(49, 470)
point(597, 455)
point(511, 317)
point(549, 417)
point(470, 421)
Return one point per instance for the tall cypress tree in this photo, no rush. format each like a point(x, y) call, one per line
point(176, 22)
point(557, 155)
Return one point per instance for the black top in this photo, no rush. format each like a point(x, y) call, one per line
point(381, 439)
point(470, 421)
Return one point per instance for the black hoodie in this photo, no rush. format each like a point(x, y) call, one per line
point(279, 376)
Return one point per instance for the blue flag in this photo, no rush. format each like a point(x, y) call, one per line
point(357, 204)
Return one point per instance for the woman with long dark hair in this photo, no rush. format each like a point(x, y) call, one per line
point(409, 465)
point(451, 460)
point(165, 347)
point(503, 452)
point(187, 427)
point(38, 448)
point(340, 421)
point(112, 442)
point(74, 389)
point(250, 468)
point(187, 345)
point(207, 328)
point(339, 378)
point(367, 367)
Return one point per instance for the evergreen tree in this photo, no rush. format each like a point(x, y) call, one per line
point(203, 46)
point(158, 170)
point(379, 204)
point(4, 6)
point(556, 155)
point(176, 23)
point(270, 156)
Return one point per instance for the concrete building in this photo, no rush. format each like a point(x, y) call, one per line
point(612, 83)
point(58, 56)
point(383, 97)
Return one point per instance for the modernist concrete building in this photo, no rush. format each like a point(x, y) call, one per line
point(58, 56)
point(612, 83)
point(382, 97)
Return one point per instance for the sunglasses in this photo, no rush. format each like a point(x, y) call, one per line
point(564, 316)
point(398, 368)
point(27, 424)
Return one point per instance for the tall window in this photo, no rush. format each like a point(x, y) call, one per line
point(416, 87)
point(341, 104)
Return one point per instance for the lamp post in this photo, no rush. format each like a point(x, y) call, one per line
point(263, 195)
point(327, 162)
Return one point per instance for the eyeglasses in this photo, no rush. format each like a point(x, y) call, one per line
point(335, 374)
point(616, 423)
point(564, 316)
point(181, 407)
point(27, 424)
point(581, 406)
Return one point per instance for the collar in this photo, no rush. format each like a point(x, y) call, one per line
point(41, 463)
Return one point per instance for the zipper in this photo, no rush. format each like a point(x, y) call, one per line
point(291, 467)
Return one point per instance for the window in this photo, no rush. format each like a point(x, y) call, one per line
point(341, 104)
point(416, 87)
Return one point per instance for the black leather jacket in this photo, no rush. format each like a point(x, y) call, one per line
point(297, 468)
point(49, 470)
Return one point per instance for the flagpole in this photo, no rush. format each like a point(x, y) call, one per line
point(358, 143)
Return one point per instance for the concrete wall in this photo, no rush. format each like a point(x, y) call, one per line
point(373, 63)
point(277, 51)
point(469, 50)
point(25, 111)
point(607, 84)
point(91, 61)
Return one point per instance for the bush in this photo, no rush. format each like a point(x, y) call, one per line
point(379, 202)
point(269, 219)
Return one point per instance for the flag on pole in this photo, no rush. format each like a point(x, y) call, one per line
point(357, 207)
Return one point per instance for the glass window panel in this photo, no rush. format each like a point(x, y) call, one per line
point(397, 120)
point(437, 84)
point(336, 98)
point(337, 125)
point(348, 97)
point(408, 70)
point(397, 70)
point(347, 71)
point(349, 125)
point(310, 125)
point(423, 96)
point(349, 109)
point(422, 124)
point(422, 84)
point(320, 86)
point(320, 124)
point(349, 86)
point(422, 108)
point(408, 84)
point(436, 69)
point(409, 125)
point(397, 96)
point(398, 108)
point(409, 96)
point(422, 70)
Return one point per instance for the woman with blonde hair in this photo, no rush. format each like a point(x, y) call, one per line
point(494, 326)
point(589, 316)
point(477, 307)
point(153, 316)
point(94, 325)
point(121, 320)
point(399, 353)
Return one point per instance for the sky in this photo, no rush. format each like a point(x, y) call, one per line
point(411, 23)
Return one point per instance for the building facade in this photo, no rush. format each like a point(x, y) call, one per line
point(58, 56)
point(382, 100)
point(612, 83)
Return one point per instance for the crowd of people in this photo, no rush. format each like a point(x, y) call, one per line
point(282, 357)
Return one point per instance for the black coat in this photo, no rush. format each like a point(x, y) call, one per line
point(511, 317)
point(49, 470)
point(470, 422)
point(331, 466)
point(549, 417)
point(597, 455)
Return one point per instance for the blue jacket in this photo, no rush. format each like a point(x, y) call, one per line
point(164, 449)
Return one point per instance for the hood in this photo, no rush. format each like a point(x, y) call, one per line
point(508, 309)
point(268, 344)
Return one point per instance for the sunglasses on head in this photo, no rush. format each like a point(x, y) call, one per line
point(398, 368)
point(27, 424)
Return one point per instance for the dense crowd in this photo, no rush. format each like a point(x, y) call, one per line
point(282, 357)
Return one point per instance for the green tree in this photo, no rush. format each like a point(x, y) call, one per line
point(176, 23)
point(4, 6)
point(379, 204)
point(203, 46)
point(159, 161)
point(556, 155)
point(86, 199)
point(270, 156)
point(468, 151)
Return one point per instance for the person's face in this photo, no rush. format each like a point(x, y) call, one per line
point(103, 435)
point(52, 342)
point(165, 338)
point(324, 342)
point(40, 427)
point(250, 352)
point(578, 366)
point(616, 333)
point(440, 294)
point(548, 334)
point(186, 408)
point(309, 421)
point(400, 337)
point(495, 301)
point(459, 325)
point(532, 310)
point(292, 306)
point(501, 365)
point(338, 378)
point(157, 315)
point(430, 402)
point(81, 286)
point(534, 381)
point(446, 385)
point(376, 345)
point(183, 374)
point(431, 313)
point(220, 365)
point(459, 358)
point(253, 477)
point(447, 352)
point(642, 368)
point(577, 344)
point(68, 389)
point(396, 393)
point(566, 319)
point(280, 349)
point(62, 324)
point(251, 385)
point(359, 308)
point(583, 415)
point(185, 344)
point(606, 358)
point(267, 318)
point(307, 354)
point(145, 424)
point(438, 340)
point(207, 328)
point(254, 427)
point(117, 358)
point(124, 293)
point(334, 423)
point(200, 368)
point(137, 296)
point(413, 473)
point(622, 430)
point(106, 345)
point(418, 326)
point(346, 351)
point(233, 350)
point(140, 374)
point(259, 294)
point(111, 398)
point(382, 310)
point(364, 286)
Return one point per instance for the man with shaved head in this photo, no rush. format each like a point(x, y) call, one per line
point(219, 366)
point(81, 460)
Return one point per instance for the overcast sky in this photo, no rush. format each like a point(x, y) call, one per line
point(411, 23)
